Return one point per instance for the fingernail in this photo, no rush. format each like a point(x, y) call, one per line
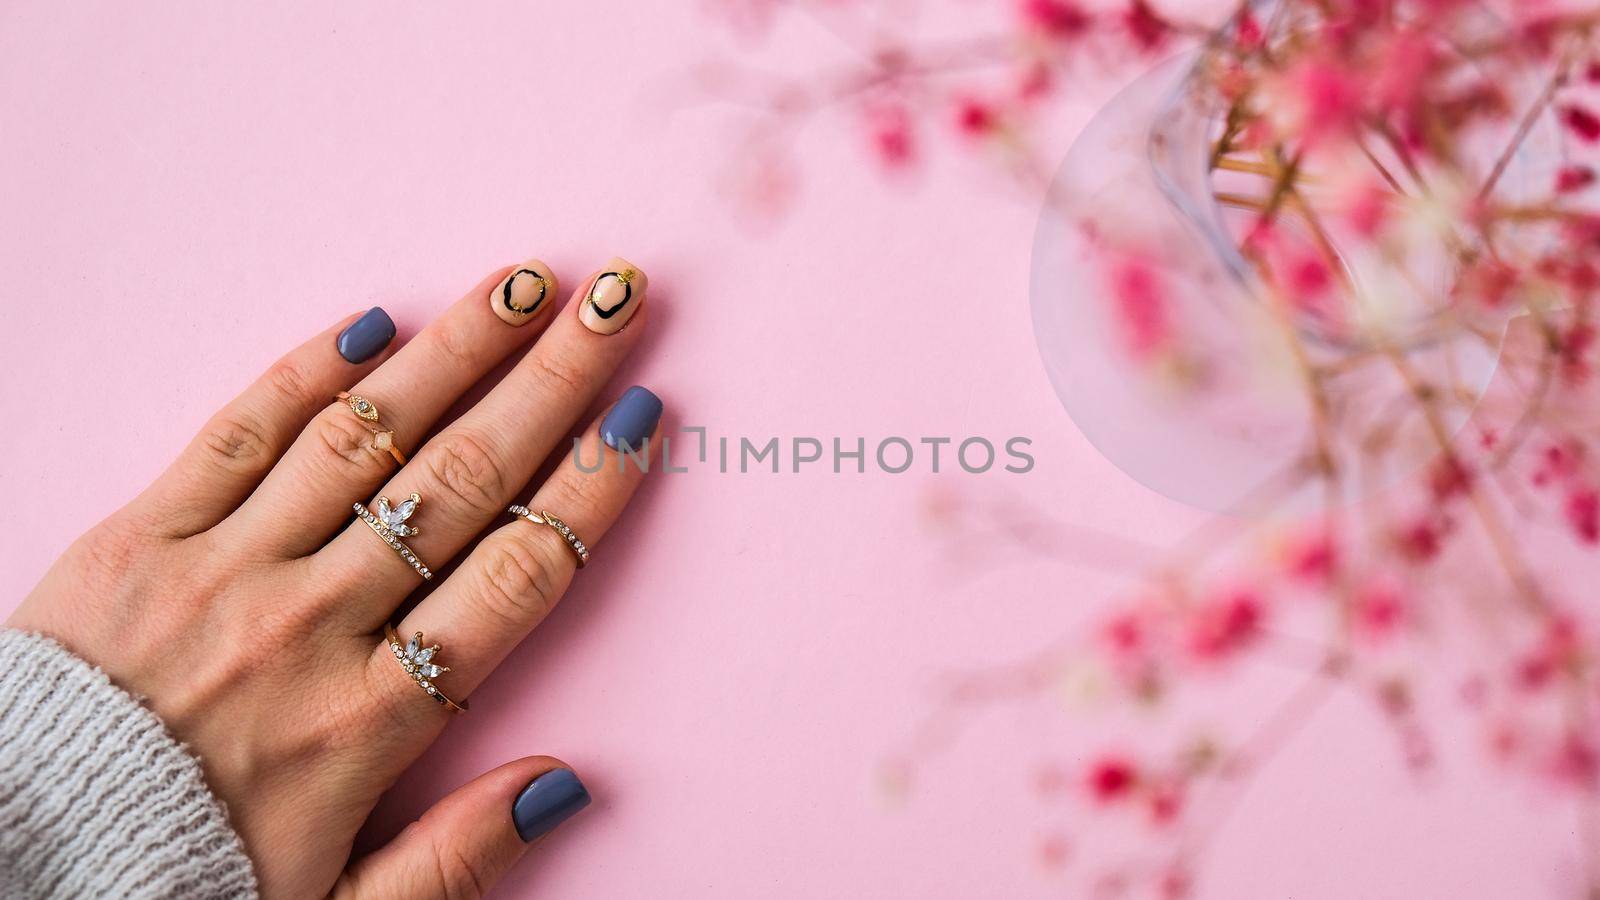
point(525, 293)
point(546, 802)
point(366, 336)
point(613, 297)
point(631, 420)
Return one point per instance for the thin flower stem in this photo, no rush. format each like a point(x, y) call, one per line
point(1242, 767)
point(1525, 126)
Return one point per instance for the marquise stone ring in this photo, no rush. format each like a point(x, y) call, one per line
point(543, 517)
point(389, 523)
point(417, 661)
point(367, 412)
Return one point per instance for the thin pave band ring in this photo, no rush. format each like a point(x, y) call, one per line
point(389, 523)
point(367, 412)
point(543, 517)
point(417, 661)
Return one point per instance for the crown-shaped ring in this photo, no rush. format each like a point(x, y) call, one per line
point(418, 662)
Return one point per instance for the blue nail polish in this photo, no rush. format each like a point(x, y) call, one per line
point(546, 802)
point(632, 420)
point(366, 336)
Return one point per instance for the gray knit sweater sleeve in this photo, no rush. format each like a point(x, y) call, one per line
point(96, 798)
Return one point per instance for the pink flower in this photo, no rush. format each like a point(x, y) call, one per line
point(1111, 778)
point(1573, 178)
point(1404, 75)
point(1581, 122)
point(1309, 278)
point(1314, 558)
point(1329, 97)
point(1583, 230)
point(1035, 81)
point(1176, 884)
point(1583, 514)
point(1367, 209)
point(1148, 29)
point(1539, 34)
point(1559, 649)
point(974, 117)
point(1058, 19)
point(1226, 625)
point(1575, 344)
point(1141, 307)
point(890, 130)
point(1422, 540)
point(1309, 282)
point(1559, 462)
point(1576, 760)
point(1125, 634)
point(1247, 32)
point(1165, 802)
point(1449, 477)
point(1380, 611)
point(1490, 282)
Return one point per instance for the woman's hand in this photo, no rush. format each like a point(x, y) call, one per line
point(242, 599)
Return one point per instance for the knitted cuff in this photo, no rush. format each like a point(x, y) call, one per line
point(96, 798)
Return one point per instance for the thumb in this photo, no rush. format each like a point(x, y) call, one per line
point(462, 846)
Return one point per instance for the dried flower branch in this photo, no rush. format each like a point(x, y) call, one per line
point(1404, 185)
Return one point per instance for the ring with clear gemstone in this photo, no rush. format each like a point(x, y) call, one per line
point(390, 524)
point(416, 661)
point(543, 517)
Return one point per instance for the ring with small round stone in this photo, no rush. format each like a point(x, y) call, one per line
point(417, 661)
point(543, 517)
point(367, 412)
point(389, 523)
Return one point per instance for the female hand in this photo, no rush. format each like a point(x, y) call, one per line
point(239, 596)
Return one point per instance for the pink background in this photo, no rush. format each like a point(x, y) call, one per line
point(190, 188)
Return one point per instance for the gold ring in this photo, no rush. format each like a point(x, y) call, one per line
point(367, 412)
point(389, 523)
point(543, 517)
point(417, 661)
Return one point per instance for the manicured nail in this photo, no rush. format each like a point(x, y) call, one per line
point(526, 292)
point(631, 420)
point(546, 802)
point(366, 336)
point(613, 297)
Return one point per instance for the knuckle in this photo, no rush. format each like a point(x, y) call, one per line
point(585, 498)
point(459, 875)
point(343, 440)
point(289, 381)
point(457, 350)
point(560, 372)
point(467, 471)
point(237, 442)
point(516, 585)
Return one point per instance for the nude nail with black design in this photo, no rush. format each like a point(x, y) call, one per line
point(529, 290)
point(613, 297)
